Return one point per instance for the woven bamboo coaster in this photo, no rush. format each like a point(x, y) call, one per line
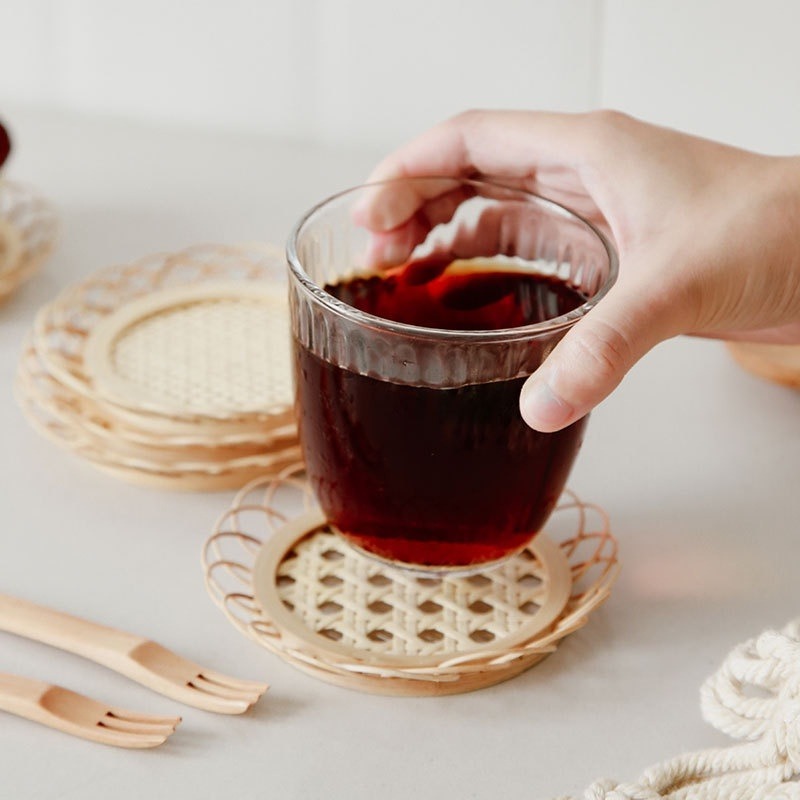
point(75, 411)
point(779, 363)
point(62, 419)
point(172, 371)
point(28, 230)
point(286, 580)
point(64, 327)
point(217, 350)
point(10, 249)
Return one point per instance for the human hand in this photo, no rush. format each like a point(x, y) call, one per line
point(708, 235)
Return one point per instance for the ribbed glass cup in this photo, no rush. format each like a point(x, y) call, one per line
point(412, 436)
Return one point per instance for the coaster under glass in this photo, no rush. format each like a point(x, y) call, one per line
point(287, 580)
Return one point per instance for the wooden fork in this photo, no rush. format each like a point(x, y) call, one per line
point(139, 659)
point(73, 713)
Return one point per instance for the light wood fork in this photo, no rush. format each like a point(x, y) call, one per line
point(141, 660)
point(78, 715)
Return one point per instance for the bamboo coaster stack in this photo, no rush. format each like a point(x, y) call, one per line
point(28, 227)
point(172, 371)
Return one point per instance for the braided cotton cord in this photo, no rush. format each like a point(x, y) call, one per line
point(754, 697)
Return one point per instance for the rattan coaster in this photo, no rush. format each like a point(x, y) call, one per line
point(172, 371)
point(217, 350)
point(779, 363)
point(65, 420)
point(290, 583)
point(76, 412)
point(10, 249)
point(63, 328)
point(28, 230)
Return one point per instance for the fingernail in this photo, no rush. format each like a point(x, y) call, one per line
point(395, 251)
point(542, 408)
point(385, 251)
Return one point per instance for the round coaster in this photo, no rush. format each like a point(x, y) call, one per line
point(10, 249)
point(779, 363)
point(225, 478)
point(62, 419)
point(63, 328)
point(217, 350)
point(28, 230)
point(286, 580)
point(172, 371)
point(194, 478)
point(75, 411)
point(322, 593)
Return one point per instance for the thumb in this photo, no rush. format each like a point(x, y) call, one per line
point(592, 359)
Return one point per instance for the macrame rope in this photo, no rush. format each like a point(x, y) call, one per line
point(754, 697)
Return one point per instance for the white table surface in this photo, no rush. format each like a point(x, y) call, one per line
point(696, 462)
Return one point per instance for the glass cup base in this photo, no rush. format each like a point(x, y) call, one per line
point(432, 570)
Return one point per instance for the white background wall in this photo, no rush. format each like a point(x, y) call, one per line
point(373, 73)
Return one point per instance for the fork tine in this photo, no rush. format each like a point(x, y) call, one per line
point(218, 690)
point(243, 687)
point(107, 735)
point(200, 698)
point(233, 683)
point(222, 705)
point(155, 728)
point(133, 716)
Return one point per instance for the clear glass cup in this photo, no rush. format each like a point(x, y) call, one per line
point(412, 436)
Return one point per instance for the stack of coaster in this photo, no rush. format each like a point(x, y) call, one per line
point(28, 228)
point(172, 371)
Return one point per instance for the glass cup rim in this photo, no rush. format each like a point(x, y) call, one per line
point(523, 332)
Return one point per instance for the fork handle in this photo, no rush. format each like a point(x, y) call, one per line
point(21, 696)
point(98, 643)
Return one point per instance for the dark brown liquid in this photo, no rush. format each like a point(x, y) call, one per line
point(5, 144)
point(437, 477)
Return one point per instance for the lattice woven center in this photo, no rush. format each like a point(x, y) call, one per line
point(351, 599)
point(229, 354)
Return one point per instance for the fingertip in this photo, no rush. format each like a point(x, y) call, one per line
point(385, 206)
point(379, 209)
point(385, 170)
point(386, 250)
point(359, 213)
point(542, 409)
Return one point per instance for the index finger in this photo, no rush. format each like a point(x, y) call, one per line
point(501, 144)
